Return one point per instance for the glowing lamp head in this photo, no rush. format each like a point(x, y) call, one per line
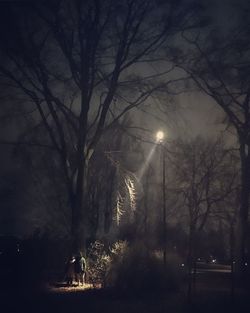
point(159, 136)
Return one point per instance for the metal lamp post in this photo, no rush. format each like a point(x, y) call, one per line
point(159, 139)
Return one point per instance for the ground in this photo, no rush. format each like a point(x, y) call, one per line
point(213, 294)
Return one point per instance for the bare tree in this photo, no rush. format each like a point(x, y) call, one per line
point(81, 65)
point(220, 67)
point(110, 197)
point(199, 167)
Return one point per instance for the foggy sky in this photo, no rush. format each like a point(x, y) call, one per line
point(196, 115)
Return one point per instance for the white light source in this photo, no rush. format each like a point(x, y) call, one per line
point(159, 136)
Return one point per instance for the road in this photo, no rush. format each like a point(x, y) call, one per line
point(203, 267)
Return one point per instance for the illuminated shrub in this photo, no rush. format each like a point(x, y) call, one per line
point(97, 264)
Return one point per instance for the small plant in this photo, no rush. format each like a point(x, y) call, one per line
point(101, 261)
point(97, 264)
point(119, 249)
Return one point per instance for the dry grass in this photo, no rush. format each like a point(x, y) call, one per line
point(60, 287)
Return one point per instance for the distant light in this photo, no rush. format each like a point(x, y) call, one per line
point(182, 265)
point(246, 264)
point(159, 136)
point(214, 261)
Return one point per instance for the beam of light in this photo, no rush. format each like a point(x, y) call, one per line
point(146, 163)
point(130, 183)
point(131, 189)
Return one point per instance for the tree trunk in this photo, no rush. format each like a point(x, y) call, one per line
point(190, 261)
point(242, 223)
point(79, 210)
point(232, 258)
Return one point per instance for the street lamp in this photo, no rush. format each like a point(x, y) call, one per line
point(159, 136)
point(159, 139)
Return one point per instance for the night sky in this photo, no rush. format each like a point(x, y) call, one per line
point(189, 115)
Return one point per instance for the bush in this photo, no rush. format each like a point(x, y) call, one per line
point(132, 268)
point(98, 262)
point(138, 270)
